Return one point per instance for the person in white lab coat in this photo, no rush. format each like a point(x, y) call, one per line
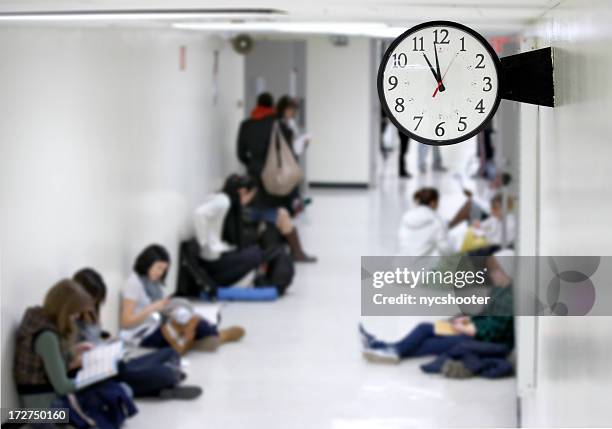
point(422, 231)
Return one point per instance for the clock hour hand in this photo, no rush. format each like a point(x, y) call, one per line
point(440, 83)
point(433, 71)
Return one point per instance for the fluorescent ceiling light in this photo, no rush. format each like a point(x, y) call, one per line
point(136, 14)
point(344, 28)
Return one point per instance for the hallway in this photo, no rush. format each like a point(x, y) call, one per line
point(300, 364)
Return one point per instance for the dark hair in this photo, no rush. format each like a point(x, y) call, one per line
point(426, 196)
point(93, 283)
point(506, 179)
point(150, 255)
point(234, 182)
point(285, 103)
point(265, 99)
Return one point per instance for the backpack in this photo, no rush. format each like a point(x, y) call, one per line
point(281, 172)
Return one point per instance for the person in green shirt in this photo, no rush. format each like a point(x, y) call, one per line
point(46, 349)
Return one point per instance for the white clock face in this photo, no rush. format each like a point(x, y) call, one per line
point(439, 83)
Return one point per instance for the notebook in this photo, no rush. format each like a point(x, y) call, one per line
point(444, 327)
point(99, 363)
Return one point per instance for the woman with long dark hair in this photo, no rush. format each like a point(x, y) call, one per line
point(143, 302)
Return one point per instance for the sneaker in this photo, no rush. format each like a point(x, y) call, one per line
point(386, 355)
point(366, 338)
point(181, 392)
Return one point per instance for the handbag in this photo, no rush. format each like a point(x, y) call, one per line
point(281, 172)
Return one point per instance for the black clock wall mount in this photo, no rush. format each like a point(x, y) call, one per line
point(441, 82)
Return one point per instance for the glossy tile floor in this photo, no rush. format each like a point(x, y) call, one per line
point(300, 364)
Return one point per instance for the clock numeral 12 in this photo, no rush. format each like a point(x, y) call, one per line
point(444, 34)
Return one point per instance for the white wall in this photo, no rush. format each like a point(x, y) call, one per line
point(339, 110)
point(565, 155)
point(105, 147)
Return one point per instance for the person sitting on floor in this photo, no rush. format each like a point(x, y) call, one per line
point(495, 324)
point(156, 374)
point(231, 264)
point(143, 302)
point(243, 221)
point(46, 349)
point(422, 231)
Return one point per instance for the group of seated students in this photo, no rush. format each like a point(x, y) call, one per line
point(52, 338)
point(244, 236)
point(474, 345)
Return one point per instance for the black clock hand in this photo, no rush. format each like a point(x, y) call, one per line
point(432, 69)
point(438, 70)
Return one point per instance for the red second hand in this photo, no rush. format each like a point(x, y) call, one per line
point(437, 89)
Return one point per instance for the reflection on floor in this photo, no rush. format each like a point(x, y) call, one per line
point(300, 365)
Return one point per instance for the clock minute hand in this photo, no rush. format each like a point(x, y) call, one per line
point(432, 69)
point(440, 84)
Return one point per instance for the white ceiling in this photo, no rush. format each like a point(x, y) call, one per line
point(488, 16)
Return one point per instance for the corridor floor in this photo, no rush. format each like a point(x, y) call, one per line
point(300, 366)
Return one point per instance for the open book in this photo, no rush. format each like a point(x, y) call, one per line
point(99, 363)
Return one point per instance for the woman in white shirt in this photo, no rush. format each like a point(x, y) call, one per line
point(143, 301)
point(422, 231)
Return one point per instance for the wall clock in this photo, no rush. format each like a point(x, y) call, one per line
point(439, 82)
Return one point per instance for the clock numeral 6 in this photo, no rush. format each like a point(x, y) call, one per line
point(487, 84)
point(399, 104)
point(439, 130)
point(392, 82)
point(480, 106)
point(462, 124)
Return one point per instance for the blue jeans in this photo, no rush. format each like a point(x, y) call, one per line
point(156, 339)
point(422, 341)
point(147, 375)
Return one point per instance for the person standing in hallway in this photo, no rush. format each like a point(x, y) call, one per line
point(404, 144)
point(264, 107)
point(254, 136)
point(437, 158)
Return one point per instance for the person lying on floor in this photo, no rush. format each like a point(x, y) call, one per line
point(156, 374)
point(243, 221)
point(143, 305)
point(495, 325)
